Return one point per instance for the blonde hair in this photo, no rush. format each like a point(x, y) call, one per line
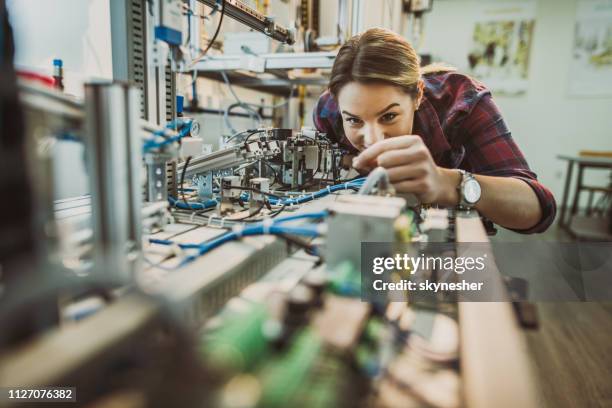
point(380, 55)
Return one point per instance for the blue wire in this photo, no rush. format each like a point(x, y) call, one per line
point(318, 194)
point(192, 206)
point(250, 231)
point(152, 144)
point(316, 215)
point(259, 228)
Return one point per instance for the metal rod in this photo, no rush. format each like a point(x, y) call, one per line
point(114, 159)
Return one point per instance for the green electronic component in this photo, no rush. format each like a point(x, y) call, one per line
point(345, 280)
point(373, 330)
point(239, 342)
point(367, 360)
point(285, 376)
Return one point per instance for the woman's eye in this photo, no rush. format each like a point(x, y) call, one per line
point(353, 121)
point(388, 117)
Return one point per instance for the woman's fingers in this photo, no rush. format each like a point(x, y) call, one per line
point(415, 153)
point(407, 172)
point(367, 158)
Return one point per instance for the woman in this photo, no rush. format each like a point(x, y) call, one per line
point(437, 132)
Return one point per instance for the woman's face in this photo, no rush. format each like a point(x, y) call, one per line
point(375, 111)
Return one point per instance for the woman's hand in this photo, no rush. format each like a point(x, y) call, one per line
point(412, 169)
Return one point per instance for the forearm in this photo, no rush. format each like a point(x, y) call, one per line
point(506, 201)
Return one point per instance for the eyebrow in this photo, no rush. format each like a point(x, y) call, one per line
point(393, 105)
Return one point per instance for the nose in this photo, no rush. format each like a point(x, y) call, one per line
point(371, 135)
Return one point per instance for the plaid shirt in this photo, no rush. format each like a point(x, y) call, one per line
point(463, 129)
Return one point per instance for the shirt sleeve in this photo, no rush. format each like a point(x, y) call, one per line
point(491, 150)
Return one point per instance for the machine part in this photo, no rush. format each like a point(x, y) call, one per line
point(285, 60)
point(114, 159)
point(157, 179)
point(141, 349)
point(300, 159)
point(190, 146)
point(129, 45)
point(436, 224)
point(230, 193)
point(341, 322)
point(230, 187)
point(396, 202)
point(220, 160)
point(356, 222)
point(377, 178)
point(280, 134)
point(262, 184)
point(205, 186)
point(58, 74)
point(155, 216)
point(252, 18)
point(239, 344)
point(170, 28)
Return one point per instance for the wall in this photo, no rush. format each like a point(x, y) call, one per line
point(78, 32)
point(545, 121)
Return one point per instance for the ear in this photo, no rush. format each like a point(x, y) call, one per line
point(419, 96)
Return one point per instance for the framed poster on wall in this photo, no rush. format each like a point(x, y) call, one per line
point(501, 46)
point(591, 63)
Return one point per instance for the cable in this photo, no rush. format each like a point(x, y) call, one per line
point(273, 171)
point(233, 92)
point(250, 231)
point(250, 131)
point(378, 176)
point(255, 191)
point(353, 185)
point(246, 140)
point(183, 179)
point(254, 114)
point(250, 215)
point(214, 37)
point(306, 246)
point(152, 144)
point(208, 246)
point(192, 206)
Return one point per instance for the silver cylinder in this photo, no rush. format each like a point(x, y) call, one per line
point(114, 152)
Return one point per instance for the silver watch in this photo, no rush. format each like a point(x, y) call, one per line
point(469, 190)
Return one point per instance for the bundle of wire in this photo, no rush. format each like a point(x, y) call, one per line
point(299, 197)
point(267, 227)
point(305, 197)
point(154, 144)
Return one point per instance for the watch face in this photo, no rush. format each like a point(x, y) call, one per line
point(471, 191)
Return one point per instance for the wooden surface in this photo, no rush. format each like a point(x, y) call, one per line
point(495, 366)
point(571, 352)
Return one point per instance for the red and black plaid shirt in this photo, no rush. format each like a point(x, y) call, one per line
point(463, 129)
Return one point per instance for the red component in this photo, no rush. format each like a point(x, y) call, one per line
point(33, 76)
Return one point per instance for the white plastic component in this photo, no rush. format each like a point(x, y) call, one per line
point(172, 15)
point(191, 146)
point(352, 223)
point(261, 184)
point(227, 183)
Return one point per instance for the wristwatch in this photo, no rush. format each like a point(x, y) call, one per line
point(469, 190)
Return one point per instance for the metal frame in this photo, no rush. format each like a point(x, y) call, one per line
point(267, 62)
point(254, 19)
